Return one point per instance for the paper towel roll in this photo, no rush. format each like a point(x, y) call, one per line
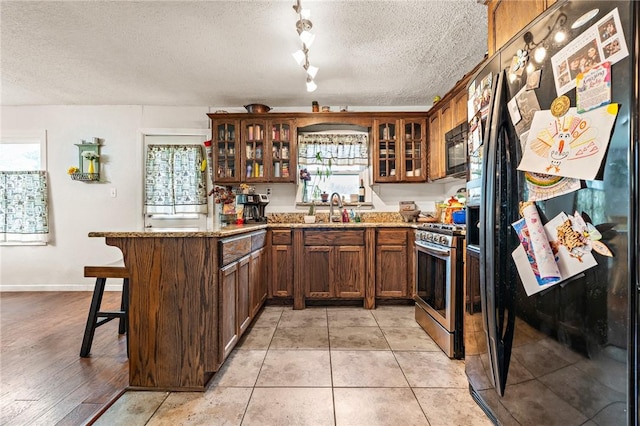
point(547, 266)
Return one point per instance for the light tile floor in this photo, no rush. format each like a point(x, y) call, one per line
point(320, 366)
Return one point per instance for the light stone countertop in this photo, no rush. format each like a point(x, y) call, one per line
point(231, 230)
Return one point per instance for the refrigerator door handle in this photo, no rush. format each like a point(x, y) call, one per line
point(487, 217)
point(493, 309)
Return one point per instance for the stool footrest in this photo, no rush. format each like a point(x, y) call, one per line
point(106, 271)
point(96, 317)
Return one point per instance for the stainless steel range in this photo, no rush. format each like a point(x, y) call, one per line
point(439, 284)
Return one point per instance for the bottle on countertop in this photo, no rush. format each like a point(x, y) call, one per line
point(361, 192)
point(345, 216)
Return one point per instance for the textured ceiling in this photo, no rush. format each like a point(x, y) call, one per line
point(230, 53)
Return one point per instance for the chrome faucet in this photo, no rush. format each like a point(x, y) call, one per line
point(337, 218)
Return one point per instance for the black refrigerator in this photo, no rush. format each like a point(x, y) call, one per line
point(566, 355)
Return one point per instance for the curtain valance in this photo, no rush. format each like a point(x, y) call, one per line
point(342, 149)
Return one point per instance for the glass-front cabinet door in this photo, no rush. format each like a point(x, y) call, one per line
point(225, 151)
point(255, 168)
point(414, 148)
point(386, 150)
point(281, 152)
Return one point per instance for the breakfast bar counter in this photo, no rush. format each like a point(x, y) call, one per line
point(177, 300)
point(194, 293)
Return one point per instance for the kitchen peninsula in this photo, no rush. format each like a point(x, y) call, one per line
point(194, 293)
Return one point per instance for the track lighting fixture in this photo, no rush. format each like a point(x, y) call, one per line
point(301, 56)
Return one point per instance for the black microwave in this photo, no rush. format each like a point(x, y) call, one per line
point(456, 151)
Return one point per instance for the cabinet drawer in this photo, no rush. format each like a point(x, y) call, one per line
point(330, 237)
point(392, 236)
point(281, 237)
point(232, 249)
point(257, 240)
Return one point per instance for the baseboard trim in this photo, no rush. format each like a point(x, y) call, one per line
point(117, 286)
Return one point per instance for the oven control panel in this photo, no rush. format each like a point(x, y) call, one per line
point(435, 238)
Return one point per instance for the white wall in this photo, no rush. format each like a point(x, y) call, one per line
point(76, 208)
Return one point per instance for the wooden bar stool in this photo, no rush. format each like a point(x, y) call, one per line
point(96, 318)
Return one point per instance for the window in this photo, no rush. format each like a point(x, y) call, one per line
point(22, 151)
point(342, 156)
point(24, 210)
point(175, 184)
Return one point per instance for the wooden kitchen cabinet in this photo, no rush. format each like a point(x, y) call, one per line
point(228, 318)
point(260, 148)
point(334, 264)
point(399, 153)
point(281, 264)
point(386, 150)
point(243, 308)
point(394, 263)
point(268, 151)
point(225, 135)
point(508, 17)
point(191, 303)
point(436, 148)
point(472, 282)
point(448, 113)
point(318, 266)
point(282, 153)
point(241, 287)
point(349, 271)
point(257, 281)
point(460, 107)
point(414, 150)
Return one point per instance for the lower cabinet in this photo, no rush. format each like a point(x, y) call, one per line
point(394, 263)
point(257, 281)
point(334, 264)
point(330, 263)
point(228, 316)
point(349, 271)
point(242, 286)
point(281, 265)
point(472, 287)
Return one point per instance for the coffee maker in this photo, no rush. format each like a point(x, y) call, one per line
point(254, 207)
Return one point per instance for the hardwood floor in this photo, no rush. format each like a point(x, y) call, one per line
point(43, 380)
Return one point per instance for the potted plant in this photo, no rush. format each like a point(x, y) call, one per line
point(310, 217)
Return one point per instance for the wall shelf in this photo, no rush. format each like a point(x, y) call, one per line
point(86, 177)
point(88, 170)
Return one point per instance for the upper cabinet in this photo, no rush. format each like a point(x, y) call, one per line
point(508, 17)
point(282, 152)
point(399, 150)
point(226, 148)
point(253, 149)
point(445, 115)
point(443, 118)
point(436, 147)
point(268, 151)
point(260, 148)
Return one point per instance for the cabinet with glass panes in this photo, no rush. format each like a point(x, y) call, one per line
point(281, 151)
point(414, 148)
point(254, 144)
point(399, 150)
point(386, 149)
point(268, 151)
point(226, 137)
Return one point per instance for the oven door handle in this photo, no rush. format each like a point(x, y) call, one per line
point(432, 250)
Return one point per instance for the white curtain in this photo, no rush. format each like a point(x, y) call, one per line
point(342, 149)
point(24, 207)
point(174, 180)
